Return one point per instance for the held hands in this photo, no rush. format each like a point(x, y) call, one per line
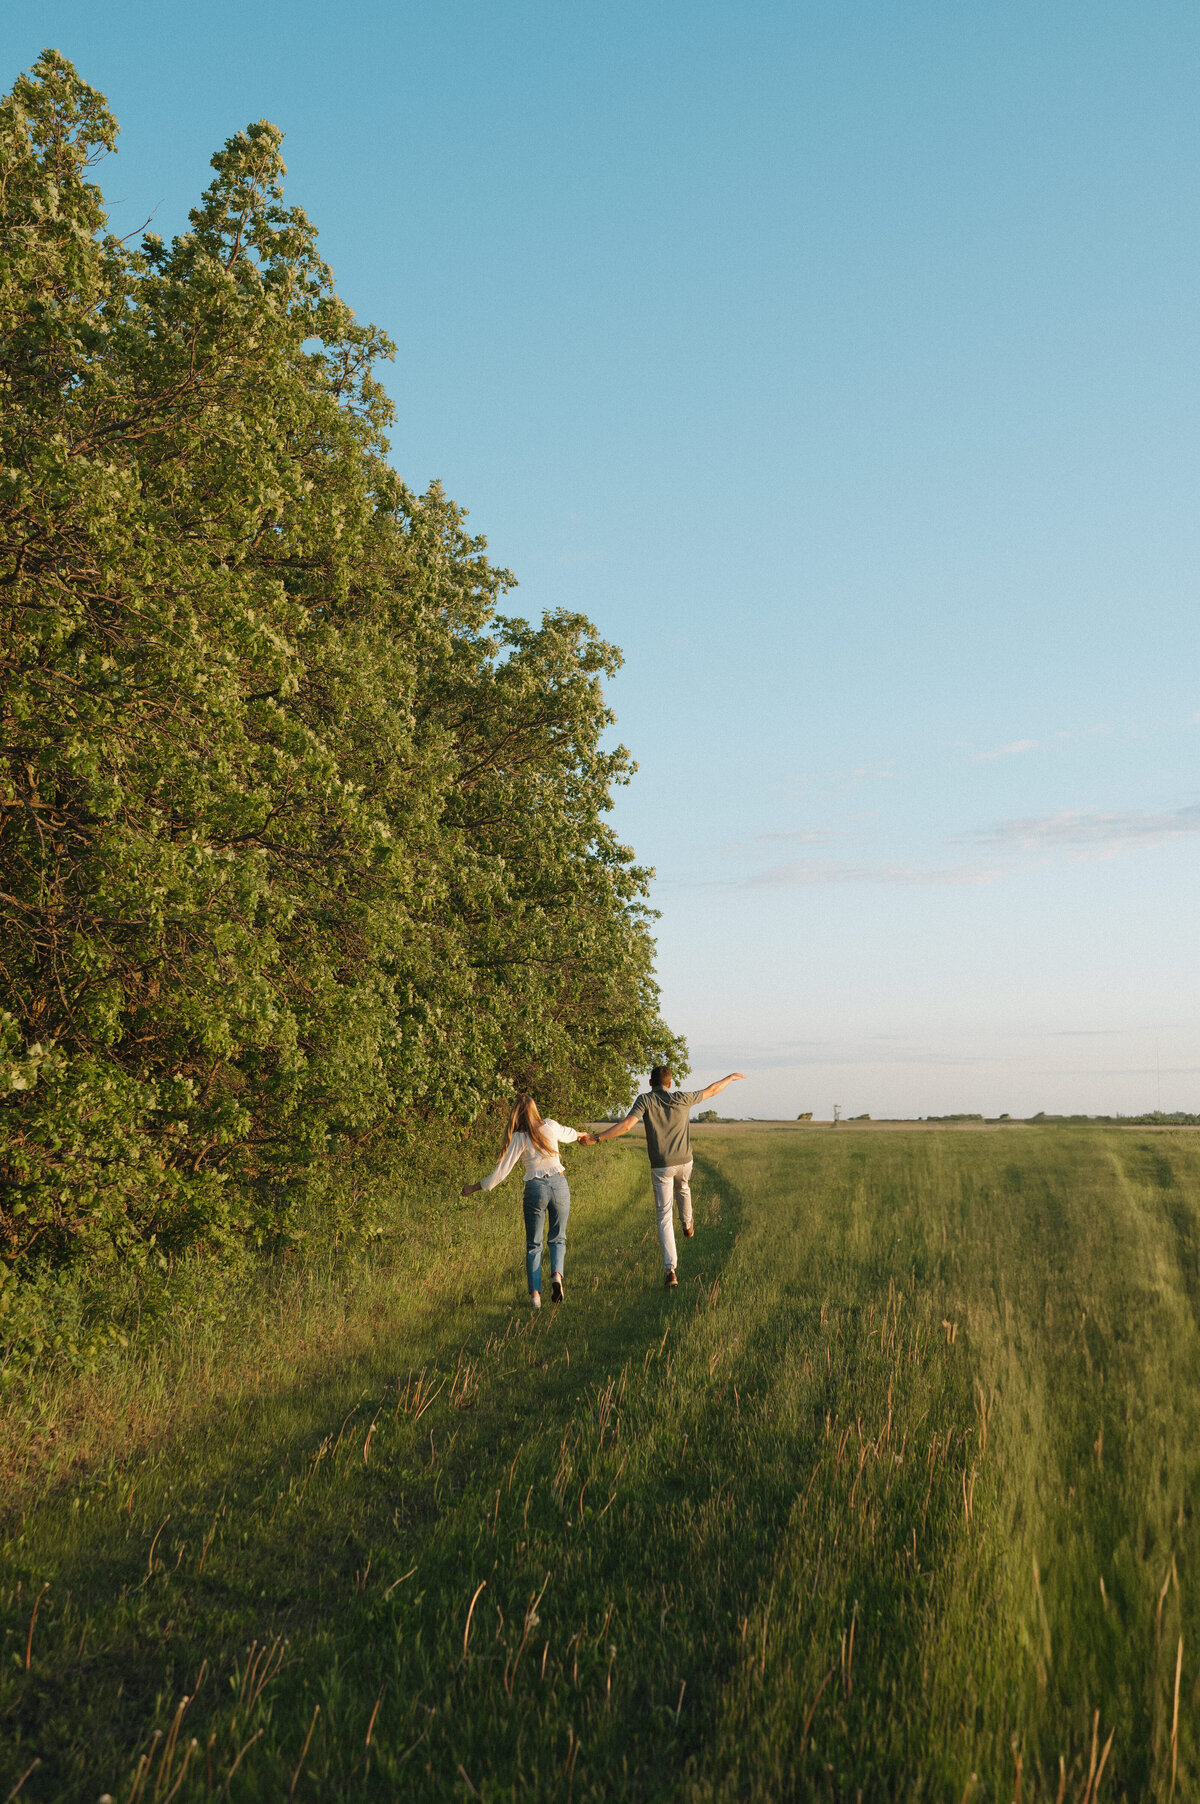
point(588, 1140)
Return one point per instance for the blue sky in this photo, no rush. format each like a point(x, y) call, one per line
point(842, 362)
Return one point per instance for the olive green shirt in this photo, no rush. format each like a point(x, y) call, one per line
point(664, 1115)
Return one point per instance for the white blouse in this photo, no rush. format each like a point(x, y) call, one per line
point(537, 1163)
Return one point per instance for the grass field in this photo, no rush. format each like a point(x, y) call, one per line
point(892, 1500)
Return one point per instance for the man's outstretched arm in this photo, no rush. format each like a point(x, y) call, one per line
point(622, 1127)
point(721, 1083)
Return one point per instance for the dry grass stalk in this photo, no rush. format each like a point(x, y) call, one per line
point(237, 1761)
point(812, 1710)
point(304, 1752)
point(470, 1613)
point(32, 1620)
point(374, 1714)
point(262, 1666)
point(1175, 1714)
point(158, 1531)
point(32, 1768)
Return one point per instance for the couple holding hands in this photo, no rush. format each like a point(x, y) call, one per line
point(663, 1112)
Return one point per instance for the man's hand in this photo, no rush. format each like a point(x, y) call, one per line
point(715, 1089)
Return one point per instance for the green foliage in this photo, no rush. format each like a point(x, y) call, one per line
point(301, 841)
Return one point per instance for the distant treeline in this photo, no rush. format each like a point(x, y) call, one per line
point(302, 851)
point(1154, 1118)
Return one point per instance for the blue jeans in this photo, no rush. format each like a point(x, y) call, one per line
point(541, 1194)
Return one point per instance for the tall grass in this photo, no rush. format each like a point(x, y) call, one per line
point(890, 1500)
point(92, 1360)
point(1016, 1585)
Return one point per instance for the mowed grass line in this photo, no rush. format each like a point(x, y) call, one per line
point(830, 1521)
point(1060, 1592)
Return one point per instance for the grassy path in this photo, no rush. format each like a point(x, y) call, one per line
point(889, 1500)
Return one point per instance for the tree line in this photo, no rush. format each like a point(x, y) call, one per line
point(303, 856)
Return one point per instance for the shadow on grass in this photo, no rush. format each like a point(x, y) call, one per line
point(356, 1549)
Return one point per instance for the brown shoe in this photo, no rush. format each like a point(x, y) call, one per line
point(671, 1281)
point(689, 1228)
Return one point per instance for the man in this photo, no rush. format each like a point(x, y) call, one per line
point(664, 1115)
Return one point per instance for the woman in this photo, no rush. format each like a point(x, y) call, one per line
point(537, 1143)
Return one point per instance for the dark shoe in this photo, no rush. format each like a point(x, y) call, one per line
point(556, 1289)
point(689, 1228)
point(671, 1281)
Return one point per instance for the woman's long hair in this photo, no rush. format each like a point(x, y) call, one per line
point(526, 1118)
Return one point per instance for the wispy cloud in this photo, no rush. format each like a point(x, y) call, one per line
point(1005, 751)
point(1085, 831)
point(1006, 847)
point(831, 1053)
point(824, 870)
point(812, 836)
point(1013, 748)
point(1085, 1033)
point(838, 782)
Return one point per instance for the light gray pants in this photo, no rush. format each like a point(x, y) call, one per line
point(671, 1186)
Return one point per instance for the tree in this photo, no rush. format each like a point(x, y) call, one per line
point(301, 840)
